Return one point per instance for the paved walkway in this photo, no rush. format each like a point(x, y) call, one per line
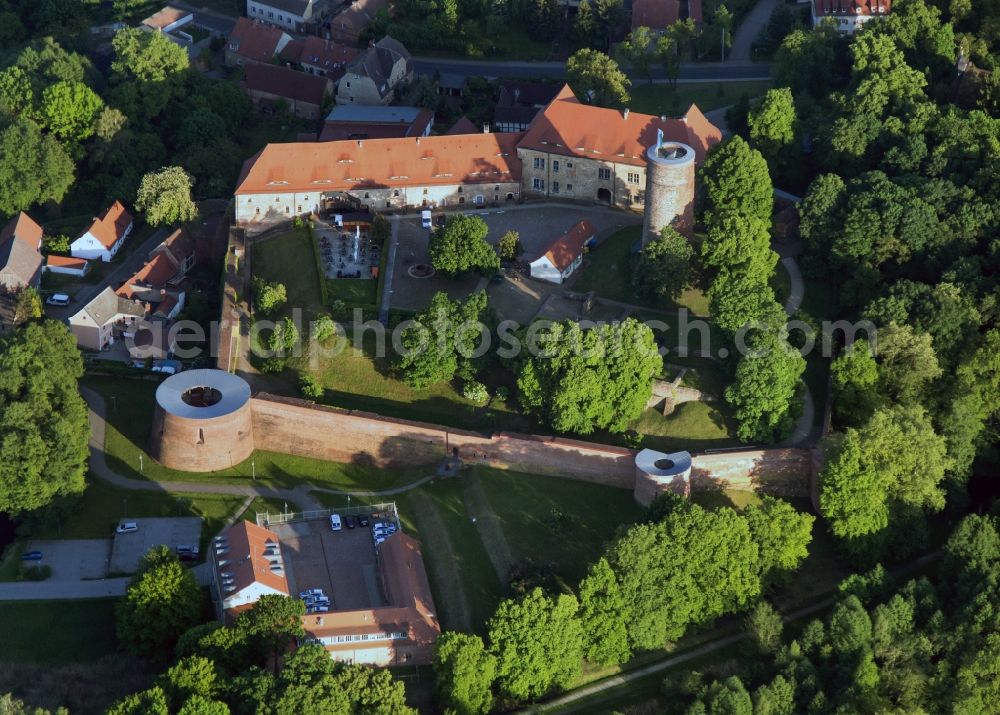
point(749, 29)
point(797, 291)
point(63, 590)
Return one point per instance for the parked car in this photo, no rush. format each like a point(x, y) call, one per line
point(362, 520)
point(127, 527)
point(425, 220)
point(31, 556)
point(335, 522)
point(349, 522)
point(311, 592)
point(60, 299)
point(318, 609)
point(188, 548)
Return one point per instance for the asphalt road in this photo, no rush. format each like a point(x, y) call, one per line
point(690, 72)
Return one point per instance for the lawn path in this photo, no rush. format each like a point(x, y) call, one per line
point(454, 612)
point(477, 505)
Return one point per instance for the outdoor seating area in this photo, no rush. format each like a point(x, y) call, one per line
point(348, 251)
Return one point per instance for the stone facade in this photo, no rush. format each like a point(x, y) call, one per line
point(202, 445)
point(670, 188)
point(570, 178)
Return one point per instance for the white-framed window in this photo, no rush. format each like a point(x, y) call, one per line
point(555, 166)
point(555, 187)
point(538, 184)
point(603, 173)
point(569, 187)
point(569, 164)
point(539, 163)
point(633, 177)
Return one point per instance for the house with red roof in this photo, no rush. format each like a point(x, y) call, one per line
point(253, 42)
point(105, 236)
point(305, 93)
point(581, 152)
point(315, 55)
point(848, 15)
point(67, 265)
point(657, 15)
point(564, 255)
point(20, 253)
point(161, 282)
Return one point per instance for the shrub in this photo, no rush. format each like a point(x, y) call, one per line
point(475, 392)
point(272, 365)
point(324, 328)
point(309, 387)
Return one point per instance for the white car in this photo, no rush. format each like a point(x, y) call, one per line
point(335, 524)
point(425, 220)
point(127, 527)
point(318, 609)
point(60, 299)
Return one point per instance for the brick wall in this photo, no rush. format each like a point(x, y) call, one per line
point(780, 471)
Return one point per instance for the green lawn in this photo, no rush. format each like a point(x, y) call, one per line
point(563, 521)
point(353, 291)
point(288, 258)
point(129, 421)
point(660, 99)
point(609, 274)
point(691, 426)
point(55, 632)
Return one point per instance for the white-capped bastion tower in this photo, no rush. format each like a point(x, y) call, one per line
point(669, 187)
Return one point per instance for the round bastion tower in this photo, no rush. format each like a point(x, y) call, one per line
point(203, 421)
point(669, 188)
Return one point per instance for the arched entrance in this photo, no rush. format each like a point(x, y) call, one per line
point(604, 196)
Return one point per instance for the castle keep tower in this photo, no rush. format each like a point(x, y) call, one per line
point(669, 188)
point(202, 421)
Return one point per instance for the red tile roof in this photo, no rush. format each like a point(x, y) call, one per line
point(571, 128)
point(155, 273)
point(568, 247)
point(284, 82)
point(246, 556)
point(827, 8)
point(324, 54)
point(65, 262)
point(655, 14)
point(24, 229)
point(462, 126)
point(167, 16)
point(109, 227)
point(346, 165)
point(254, 40)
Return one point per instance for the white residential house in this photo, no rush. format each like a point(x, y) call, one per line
point(848, 15)
point(107, 317)
point(67, 265)
point(564, 255)
point(106, 235)
point(290, 14)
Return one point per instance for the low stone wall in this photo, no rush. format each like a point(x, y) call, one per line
point(784, 471)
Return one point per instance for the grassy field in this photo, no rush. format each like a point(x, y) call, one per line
point(288, 258)
point(609, 274)
point(353, 291)
point(71, 630)
point(661, 99)
point(691, 426)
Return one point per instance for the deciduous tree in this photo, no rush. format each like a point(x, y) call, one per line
point(663, 269)
point(465, 673)
point(70, 110)
point(460, 247)
point(165, 196)
point(597, 79)
point(34, 167)
point(603, 614)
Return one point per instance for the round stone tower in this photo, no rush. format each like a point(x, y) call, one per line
point(657, 472)
point(669, 188)
point(203, 421)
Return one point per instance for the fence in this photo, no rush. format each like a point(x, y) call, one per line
point(266, 519)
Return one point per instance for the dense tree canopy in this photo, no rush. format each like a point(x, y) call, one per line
point(465, 672)
point(34, 167)
point(460, 246)
point(663, 269)
point(165, 196)
point(597, 79)
point(44, 428)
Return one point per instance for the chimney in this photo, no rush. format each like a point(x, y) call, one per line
point(663, 117)
point(360, 145)
point(418, 141)
point(625, 113)
point(486, 128)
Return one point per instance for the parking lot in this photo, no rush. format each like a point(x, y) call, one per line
point(73, 560)
point(537, 227)
point(128, 549)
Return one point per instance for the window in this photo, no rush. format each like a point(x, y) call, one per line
point(604, 174)
point(460, 190)
point(425, 192)
point(555, 167)
point(299, 209)
point(367, 196)
point(538, 184)
point(569, 164)
point(270, 15)
point(497, 187)
point(569, 187)
point(396, 192)
point(287, 210)
point(258, 211)
point(539, 163)
point(555, 187)
point(348, 84)
point(461, 199)
point(633, 177)
point(388, 204)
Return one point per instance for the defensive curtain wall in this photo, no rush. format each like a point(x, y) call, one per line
point(203, 437)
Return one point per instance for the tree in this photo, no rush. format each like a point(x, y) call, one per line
point(284, 337)
point(44, 429)
point(638, 48)
point(736, 180)
point(782, 535)
point(70, 110)
point(663, 270)
point(147, 702)
point(191, 676)
point(147, 69)
point(597, 79)
point(509, 246)
point(772, 122)
point(272, 625)
point(584, 27)
point(441, 340)
point(28, 306)
point(668, 55)
point(460, 246)
point(767, 377)
point(764, 625)
point(268, 296)
point(538, 644)
point(34, 168)
point(165, 196)
point(775, 698)
point(603, 614)
point(728, 697)
point(543, 19)
point(161, 602)
point(856, 388)
point(907, 362)
point(465, 673)
point(580, 380)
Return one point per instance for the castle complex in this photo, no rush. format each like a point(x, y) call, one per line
point(570, 151)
